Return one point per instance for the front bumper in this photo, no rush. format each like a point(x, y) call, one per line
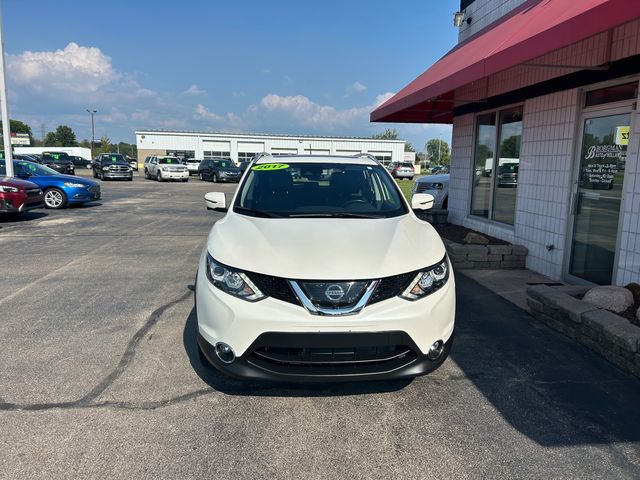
point(20, 205)
point(174, 175)
point(271, 323)
point(82, 195)
point(117, 175)
point(323, 357)
point(229, 178)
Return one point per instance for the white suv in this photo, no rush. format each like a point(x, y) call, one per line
point(320, 271)
point(165, 169)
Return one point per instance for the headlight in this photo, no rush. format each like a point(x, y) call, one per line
point(165, 169)
point(105, 169)
point(75, 185)
point(8, 189)
point(232, 281)
point(427, 281)
point(433, 186)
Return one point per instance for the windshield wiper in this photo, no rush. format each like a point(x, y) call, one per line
point(334, 215)
point(255, 213)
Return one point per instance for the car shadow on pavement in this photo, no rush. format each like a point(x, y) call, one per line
point(231, 386)
point(23, 217)
point(548, 387)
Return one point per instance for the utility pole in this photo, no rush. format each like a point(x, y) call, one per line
point(93, 130)
point(439, 148)
point(6, 126)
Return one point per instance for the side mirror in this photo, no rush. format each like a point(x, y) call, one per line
point(216, 201)
point(422, 201)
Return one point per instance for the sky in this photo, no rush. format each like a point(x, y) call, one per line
point(316, 68)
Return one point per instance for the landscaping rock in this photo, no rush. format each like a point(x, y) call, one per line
point(634, 288)
point(476, 239)
point(615, 299)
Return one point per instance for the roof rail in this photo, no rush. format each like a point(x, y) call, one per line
point(258, 156)
point(367, 155)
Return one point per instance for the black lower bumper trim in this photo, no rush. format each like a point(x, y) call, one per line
point(328, 357)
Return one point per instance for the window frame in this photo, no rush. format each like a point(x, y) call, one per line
point(496, 142)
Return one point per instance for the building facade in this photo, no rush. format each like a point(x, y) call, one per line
point(241, 147)
point(546, 131)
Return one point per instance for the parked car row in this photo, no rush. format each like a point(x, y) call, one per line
point(56, 190)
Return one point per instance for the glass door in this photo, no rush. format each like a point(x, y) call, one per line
point(596, 203)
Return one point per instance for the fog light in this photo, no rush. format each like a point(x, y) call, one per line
point(435, 350)
point(225, 353)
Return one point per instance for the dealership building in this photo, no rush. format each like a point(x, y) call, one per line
point(240, 147)
point(543, 99)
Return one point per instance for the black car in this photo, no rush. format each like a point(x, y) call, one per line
point(59, 161)
point(111, 166)
point(80, 162)
point(219, 170)
point(244, 164)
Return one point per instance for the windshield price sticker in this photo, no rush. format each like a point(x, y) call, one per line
point(270, 166)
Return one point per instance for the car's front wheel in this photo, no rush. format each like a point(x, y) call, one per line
point(214, 178)
point(146, 174)
point(54, 198)
point(159, 176)
point(95, 175)
point(201, 177)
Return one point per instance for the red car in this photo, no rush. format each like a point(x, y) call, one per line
point(17, 196)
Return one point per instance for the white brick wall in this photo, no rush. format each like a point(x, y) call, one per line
point(629, 256)
point(484, 12)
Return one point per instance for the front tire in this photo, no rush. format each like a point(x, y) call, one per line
point(54, 198)
point(201, 176)
point(214, 178)
point(146, 174)
point(159, 176)
point(95, 175)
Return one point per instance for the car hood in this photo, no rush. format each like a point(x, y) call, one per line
point(442, 178)
point(16, 182)
point(325, 248)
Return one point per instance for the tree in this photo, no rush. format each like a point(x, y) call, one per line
point(388, 134)
point(16, 126)
point(65, 136)
point(510, 147)
point(438, 149)
point(85, 143)
point(50, 140)
point(105, 145)
point(408, 147)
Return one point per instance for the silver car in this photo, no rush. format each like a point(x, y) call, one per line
point(436, 185)
point(192, 165)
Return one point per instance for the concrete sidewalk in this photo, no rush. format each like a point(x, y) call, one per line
point(509, 284)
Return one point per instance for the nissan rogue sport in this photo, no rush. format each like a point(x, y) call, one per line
point(320, 271)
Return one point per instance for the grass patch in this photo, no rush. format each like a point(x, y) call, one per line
point(405, 187)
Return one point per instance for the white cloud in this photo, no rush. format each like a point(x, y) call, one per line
point(194, 90)
point(72, 69)
point(229, 120)
point(311, 114)
point(356, 87)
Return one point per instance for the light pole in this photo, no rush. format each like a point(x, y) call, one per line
point(6, 127)
point(439, 147)
point(93, 130)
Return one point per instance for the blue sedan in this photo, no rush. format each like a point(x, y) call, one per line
point(59, 190)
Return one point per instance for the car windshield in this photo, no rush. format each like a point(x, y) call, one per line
point(319, 190)
point(29, 168)
point(57, 158)
point(407, 165)
point(114, 159)
point(223, 164)
point(169, 161)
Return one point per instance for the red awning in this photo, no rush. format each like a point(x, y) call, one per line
point(537, 28)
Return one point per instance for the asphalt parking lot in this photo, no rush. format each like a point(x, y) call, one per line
point(100, 377)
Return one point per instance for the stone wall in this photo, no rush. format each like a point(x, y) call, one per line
point(487, 256)
point(612, 336)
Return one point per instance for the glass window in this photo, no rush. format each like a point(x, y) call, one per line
point(209, 155)
point(323, 190)
point(245, 156)
point(506, 184)
point(617, 93)
point(483, 164)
